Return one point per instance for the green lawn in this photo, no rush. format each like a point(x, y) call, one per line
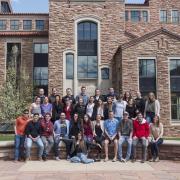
point(6, 137)
point(11, 137)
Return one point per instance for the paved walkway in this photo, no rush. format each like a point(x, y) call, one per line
point(63, 170)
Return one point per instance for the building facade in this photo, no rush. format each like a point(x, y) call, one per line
point(99, 43)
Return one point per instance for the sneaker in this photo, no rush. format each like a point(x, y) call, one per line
point(151, 160)
point(157, 159)
point(106, 159)
point(27, 159)
point(57, 158)
point(123, 160)
point(142, 161)
point(68, 158)
point(15, 161)
point(114, 160)
point(44, 158)
point(40, 159)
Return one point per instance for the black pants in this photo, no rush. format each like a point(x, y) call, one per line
point(155, 148)
point(68, 143)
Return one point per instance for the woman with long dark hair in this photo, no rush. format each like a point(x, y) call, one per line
point(79, 151)
point(57, 108)
point(156, 132)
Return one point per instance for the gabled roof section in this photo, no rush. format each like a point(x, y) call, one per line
point(130, 35)
point(149, 36)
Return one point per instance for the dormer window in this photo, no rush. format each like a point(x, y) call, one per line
point(5, 7)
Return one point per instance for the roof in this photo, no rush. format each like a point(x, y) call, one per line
point(25, 14)
point(137, 3)
point(24, 33)
point(149, 36)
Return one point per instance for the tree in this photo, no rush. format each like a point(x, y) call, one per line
point(15, 95)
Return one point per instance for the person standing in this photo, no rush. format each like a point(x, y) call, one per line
point(41, 95)
point(52, 97)
point(152, 108)
point(19, 129)
point(139, 102)
point(61, 133)
point(83, 95)
point(140, 135)
point(57, 108)
point(90, 108)
point(33, 136)
point(46, 130)
point(98, 96)
point(111, 135)
point(68, 109)
point(80, 109)
point(111, 94)
point(69, 96)
point(125, 135)
point(131, 108)
point(118, 108)
point(156, 134)
point(35, 107)
point(46, 107)
point(108, 107)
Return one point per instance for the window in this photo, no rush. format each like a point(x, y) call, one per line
point(175, 16)
point(27, 24)
point(14, 24)
point(175, 88)
point(126, 15)
point(147, 76)
point(40, 25)
point(2, 24)
point(87, 50)
point(69, 66)
point(41, 67)
point(105, 73)
point(145, 16)
point(135, 16)
point(5, 7)
point(163, 16)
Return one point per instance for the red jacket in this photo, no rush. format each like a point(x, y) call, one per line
point(140, 129)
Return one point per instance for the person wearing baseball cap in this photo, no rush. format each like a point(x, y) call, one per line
point(125, 135)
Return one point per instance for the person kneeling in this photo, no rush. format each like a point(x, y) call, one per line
point(79, 151)
point(125, 135)
point(33, 135)
point(140, 134)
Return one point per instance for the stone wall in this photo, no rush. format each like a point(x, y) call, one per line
point(141, 28)
point(62, 31)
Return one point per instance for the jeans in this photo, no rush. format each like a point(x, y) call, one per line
point(68, 142)
point(150, 116)
point(119, 119)
point(155, 147)
point(80, 157)
point(144, 143)
point(48, 144)
point(121, 142)
point(38, 142)
point(19, 147)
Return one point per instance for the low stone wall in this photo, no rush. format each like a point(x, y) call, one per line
point(170, 150)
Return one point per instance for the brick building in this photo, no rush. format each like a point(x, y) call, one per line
point(99, 43)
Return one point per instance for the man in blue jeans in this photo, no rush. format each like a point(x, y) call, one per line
point(33, 136)
point(19, 129)
point(125, 135)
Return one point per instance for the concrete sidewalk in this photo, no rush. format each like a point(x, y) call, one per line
point(64, 170)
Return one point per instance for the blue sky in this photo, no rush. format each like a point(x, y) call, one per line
point(41, 5)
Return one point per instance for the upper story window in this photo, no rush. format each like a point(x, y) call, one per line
point(147, 76)
point(175, 16)
point(69, 66)
point(87, 50)
point(41, 48)
point(105, 73)
point(40, 25)
point(126, 15)
point(135, 16)
point(163, 16)
point(5, 7)
point(2, 24)
point(145, 16)
point(14, 24)
point(27, 24)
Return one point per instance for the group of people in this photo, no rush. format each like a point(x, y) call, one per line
point(85, 123)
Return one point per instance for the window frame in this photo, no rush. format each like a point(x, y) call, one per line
point(161, 19)
point(4, 24)
point(178, 17)
point(12, 26)
point(42, 26)
point(66, 76)
point(27, 27)
point(145, 19)
point(134, 17)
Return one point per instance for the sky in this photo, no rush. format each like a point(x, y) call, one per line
point(41, 6)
